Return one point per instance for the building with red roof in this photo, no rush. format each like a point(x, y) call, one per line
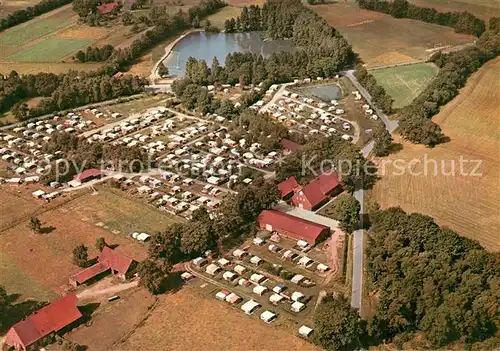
point(292, 227)
point(87, 175)
point(51, 318)
point(287, 186)
point(107, 8)
point(109, 260)
point(314, 194)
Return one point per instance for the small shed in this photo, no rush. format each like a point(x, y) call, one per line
point(260, 290)
point(297, 306)
point(213, 269)
point(250, 307)
point(268, 316)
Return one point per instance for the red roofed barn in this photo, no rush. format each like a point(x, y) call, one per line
point(287, 186)
point(87, 175)
point(292, 227)
point(51, 318)
point(107, 8)
point(314, 194)
point(109, 259)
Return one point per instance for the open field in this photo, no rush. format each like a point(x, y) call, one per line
point(209, 324)
point(219, 18)
point(241, 3)
point(21, 35)
point(118, 212)
point(49, 49)
point(49, 67)
point(381, 39)
point(404, 83)
point(22, 252)
point(482, 8)
point(9, 6)
point(466, 203)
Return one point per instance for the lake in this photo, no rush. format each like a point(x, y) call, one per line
point(204, 46)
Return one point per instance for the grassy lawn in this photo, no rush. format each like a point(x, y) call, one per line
point(404, 83)
point(49, 50)
point(22, 35)
point(219, 18)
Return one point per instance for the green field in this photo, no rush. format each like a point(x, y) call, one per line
point(51, 49)
point(404, 83)
point(21, 35)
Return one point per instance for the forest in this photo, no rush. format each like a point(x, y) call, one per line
point(455, 68)
point(430, 282)
point(24, 15)
point(462, 22)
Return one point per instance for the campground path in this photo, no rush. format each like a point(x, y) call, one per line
point(112, 290)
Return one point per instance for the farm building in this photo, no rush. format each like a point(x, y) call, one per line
point(314, 194)
point(51, 318)
point(107, 8)
point(87, 175)
point(292, 227)
point(287, 187)
point(109, 259)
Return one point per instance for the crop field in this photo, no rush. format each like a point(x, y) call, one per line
point(21, 35)
point(49, 50)
point(9, 6)
point(241, 3)
point(380, 39)
point(482, 8)
point(49, 67)
point(467, 202)
point(404, 83)
point(207, 324)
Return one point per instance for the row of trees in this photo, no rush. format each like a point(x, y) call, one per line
point(249, 20)
point(62, 91)
point(461, 22)
point(430, 283)
point(23, 15)
point(378, 93)
point(455, 68)
point(235, 218)
point(95, 54)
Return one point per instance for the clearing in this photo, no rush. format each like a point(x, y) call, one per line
point(381, 39)
point(209, 324)
point(468, 204)
point(404, 83)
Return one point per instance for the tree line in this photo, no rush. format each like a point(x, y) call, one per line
point(377, 92)
point(182, 241)
point(24, 15)
point(462, 22)
point(455, 68)
point(62, 91)
point(95, 54)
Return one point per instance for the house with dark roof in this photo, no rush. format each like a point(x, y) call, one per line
point(109, 261)
point(287, 187)
point(316, 193)
point(292, 227)
point(49, 319)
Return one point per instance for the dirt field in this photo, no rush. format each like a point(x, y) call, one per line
point(208, 324)
point(483, 8)
point(404, 83)
point(380, 38)
point(468, 204)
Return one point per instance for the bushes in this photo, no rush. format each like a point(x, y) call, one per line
point(378, 94)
